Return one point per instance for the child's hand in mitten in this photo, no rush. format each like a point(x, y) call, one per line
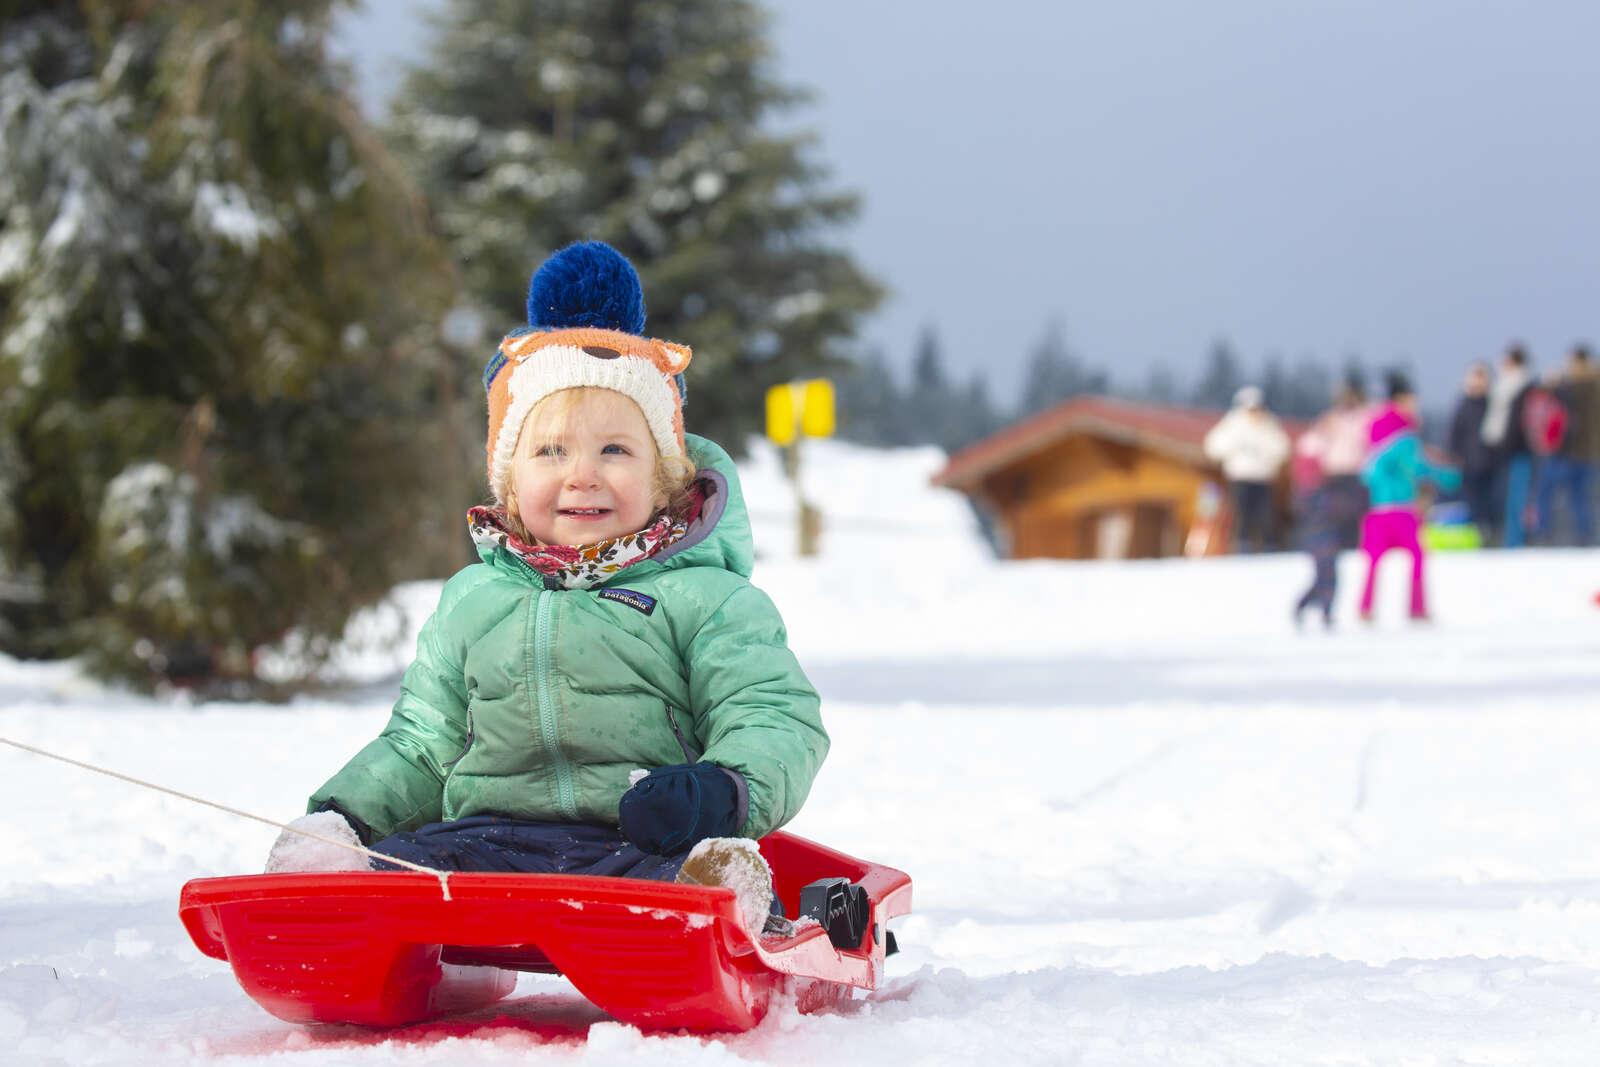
point(297, 852)
point(673, 808)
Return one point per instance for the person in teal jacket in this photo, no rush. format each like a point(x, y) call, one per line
point(1395, 468)
point(605, 692)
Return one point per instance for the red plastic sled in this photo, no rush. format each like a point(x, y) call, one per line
point(385, 948)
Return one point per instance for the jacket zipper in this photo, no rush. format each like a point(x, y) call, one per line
point(544, 702)
point(466, 747)
point(690, 754)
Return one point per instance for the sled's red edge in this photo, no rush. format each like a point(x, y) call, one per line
point(365, 947)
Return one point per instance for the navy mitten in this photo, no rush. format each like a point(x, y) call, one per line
point(674, 808)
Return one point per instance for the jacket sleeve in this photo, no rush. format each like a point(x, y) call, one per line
point(1313, 444)
point(1219, 440)
point(1277, 440)
point(1418, 467)
point(1463, 432)
point(759, 714)
point(396, 782)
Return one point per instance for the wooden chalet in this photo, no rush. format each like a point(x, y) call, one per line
point(1095, 478)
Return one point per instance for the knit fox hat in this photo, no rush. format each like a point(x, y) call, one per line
point(585, 329)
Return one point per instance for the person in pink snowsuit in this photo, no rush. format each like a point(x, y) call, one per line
point(1394, 470)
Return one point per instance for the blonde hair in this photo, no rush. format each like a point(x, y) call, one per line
point(672, 477)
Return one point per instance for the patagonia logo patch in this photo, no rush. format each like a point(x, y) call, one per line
point(637, 601)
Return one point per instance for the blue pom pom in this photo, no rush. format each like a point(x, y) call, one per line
point(586, 284)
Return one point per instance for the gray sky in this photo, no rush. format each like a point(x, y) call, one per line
point(1412, 180)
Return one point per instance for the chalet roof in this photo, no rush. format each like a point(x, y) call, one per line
point(1177, 432)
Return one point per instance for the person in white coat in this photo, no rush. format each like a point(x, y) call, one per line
point(1251, 448)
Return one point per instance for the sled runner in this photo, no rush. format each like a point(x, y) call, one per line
point(385, 948)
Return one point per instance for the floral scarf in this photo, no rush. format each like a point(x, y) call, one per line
point(586, 566)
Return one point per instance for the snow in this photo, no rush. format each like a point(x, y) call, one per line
point(1148, 821)
point(225, 210)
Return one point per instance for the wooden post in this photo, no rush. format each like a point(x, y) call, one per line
point(808, 517)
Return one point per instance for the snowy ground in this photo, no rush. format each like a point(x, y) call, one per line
point(1148, 822)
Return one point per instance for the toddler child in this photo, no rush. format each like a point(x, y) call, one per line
point(605, 691)
point(1395, 467)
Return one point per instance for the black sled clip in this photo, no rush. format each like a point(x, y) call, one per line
point(842, 909)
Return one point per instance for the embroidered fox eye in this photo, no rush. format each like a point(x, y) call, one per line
point(601, 352)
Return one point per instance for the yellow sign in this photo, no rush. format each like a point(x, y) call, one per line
point(816, 408)
point(782, 425)
point(803, 407)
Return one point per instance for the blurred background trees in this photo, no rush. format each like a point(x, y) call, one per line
point(649, 125)
point(218, 297)
point(241, 329)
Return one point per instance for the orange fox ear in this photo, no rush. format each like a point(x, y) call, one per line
point(518, 347)
point(676, 356)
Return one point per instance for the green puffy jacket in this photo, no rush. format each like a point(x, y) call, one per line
point(537, 703)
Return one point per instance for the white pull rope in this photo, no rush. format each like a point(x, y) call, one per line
point(443, 876)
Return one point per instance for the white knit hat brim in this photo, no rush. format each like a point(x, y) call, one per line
point(550, 370)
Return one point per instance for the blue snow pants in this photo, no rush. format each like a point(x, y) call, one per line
point(499, 843)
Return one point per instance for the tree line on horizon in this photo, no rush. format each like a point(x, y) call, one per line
point(935, 406)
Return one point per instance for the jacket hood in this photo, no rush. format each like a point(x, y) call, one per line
point(719, 537)
point(1387, 424)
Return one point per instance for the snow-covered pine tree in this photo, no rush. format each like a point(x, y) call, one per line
point(648, 124)
point(216, 298)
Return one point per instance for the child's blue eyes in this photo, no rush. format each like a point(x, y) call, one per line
point(557, 452)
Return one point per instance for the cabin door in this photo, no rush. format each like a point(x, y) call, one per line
point(1154, 533)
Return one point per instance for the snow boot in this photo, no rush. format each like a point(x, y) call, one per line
point(737, 864)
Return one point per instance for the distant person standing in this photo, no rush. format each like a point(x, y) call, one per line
point(1330, 497)
point(1396, 466)
point(1503, 432)
point(1474, 455)
point(1571, 468)
point(1251, 448)
point(1337, 444)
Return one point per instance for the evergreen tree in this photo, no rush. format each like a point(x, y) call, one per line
point(1055, 374)
point(872, 409)
point(929, 405)
point(1161, 386)
point(1354, 373)
point(1221, 378)
point(1310, 389)
point(975, 415)
point(646, 124)
point(1275, 386)
point(215, 341)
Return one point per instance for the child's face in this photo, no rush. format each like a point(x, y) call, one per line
point(587, 473)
